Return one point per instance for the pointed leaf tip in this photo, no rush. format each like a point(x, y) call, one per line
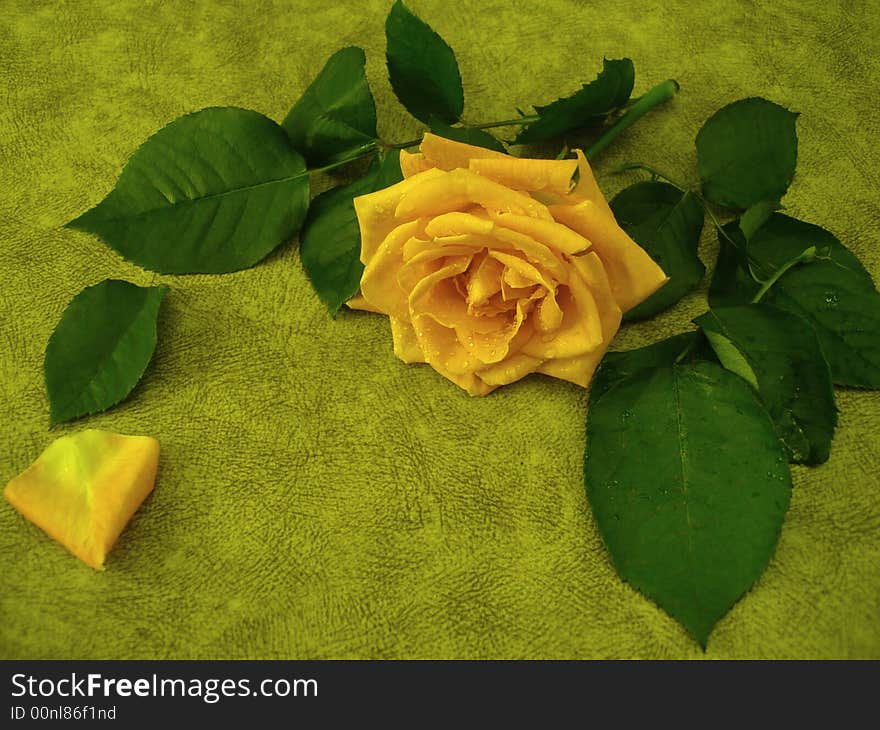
point(692, 522)
point(212, 192)
point(100, 348)
point(422, 68)
point(336, 115)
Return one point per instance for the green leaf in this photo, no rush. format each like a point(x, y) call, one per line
point(331, 239)
point(689, 485)
point(779, 354)
point(422, 68)
point(101, 347)
point(618, 366)
point(667, 223)
point(336, 116)
point(756, 216)
point(835, 295)
point(732, 283)
point(747, 152)
point(468, 135)
point(783, 238)
point(212, 192)
point(609, 91)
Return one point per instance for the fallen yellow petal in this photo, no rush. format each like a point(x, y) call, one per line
point(84, 488)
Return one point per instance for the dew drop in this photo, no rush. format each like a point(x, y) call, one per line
point(831, 300)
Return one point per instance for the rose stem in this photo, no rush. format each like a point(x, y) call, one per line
point(517, 122)
point(805, 257)
point(658, 95)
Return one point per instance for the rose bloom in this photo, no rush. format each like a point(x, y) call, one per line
point(491, 267)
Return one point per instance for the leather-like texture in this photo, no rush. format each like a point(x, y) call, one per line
point(318, 498)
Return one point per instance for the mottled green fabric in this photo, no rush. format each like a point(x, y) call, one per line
point(316, 497)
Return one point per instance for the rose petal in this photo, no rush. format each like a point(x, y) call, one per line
point(417, 251)
point(434, 193)
point(446, 355)
point(581, 329)
point(492, 347)
point(511, 242)
point(448, 154)
point(497, 304)
point(548, 233)
point(375, 212)
point(537, 253)
point(406, 344)
point(633, 274)
point(412, 163)
point(436, 295)
point(458, 223)
point(485, 280)
point(579, 369)
point(84, 488)
point(549, 315)
point(358, 302)
point(587, 188)
point(427, 262)
point(509, 371)
point(520, 173)
point(521, 272)
point(379, 285)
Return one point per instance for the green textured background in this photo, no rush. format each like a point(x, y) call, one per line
point(316, 497)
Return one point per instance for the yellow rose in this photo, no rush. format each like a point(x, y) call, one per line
point(491, 267)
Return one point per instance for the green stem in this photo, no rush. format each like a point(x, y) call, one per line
point(805, 257)
point(691, 346)
point(403, 145)
point(516, 122)
point(657, 95)
point(715, 221)
point(525, 119)
point(641, 106)
point(656, 174)
point(362, 151)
